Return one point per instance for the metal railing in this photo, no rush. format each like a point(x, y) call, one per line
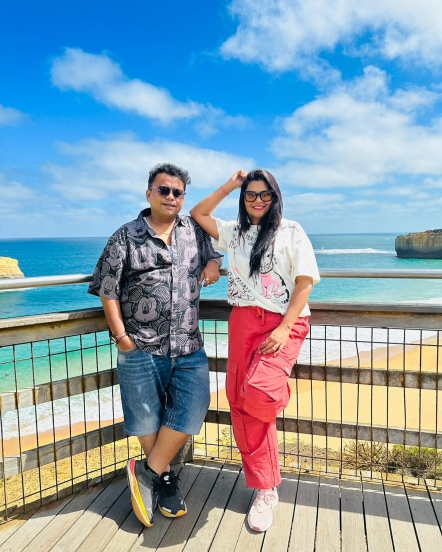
point(43, 281)
point(365, 396)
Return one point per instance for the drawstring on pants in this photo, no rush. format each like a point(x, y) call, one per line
point(260, 313)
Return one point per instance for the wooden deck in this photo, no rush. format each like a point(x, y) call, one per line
point(315, 513)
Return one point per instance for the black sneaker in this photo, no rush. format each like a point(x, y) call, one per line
point(143, 486)
point(170, 498)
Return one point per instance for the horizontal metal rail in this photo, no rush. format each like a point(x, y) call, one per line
point(62, 280)
point(7, 284)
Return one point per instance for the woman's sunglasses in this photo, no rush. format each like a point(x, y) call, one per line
point(265, 195)
point(165, 191)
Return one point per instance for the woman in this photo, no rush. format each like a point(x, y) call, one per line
point(272, 269)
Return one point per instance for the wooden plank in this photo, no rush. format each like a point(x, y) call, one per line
point(149, 540)
point(208, 522)
point(10, 527)
point(26, 329)
point(50, 326)
point(412, 379)
point(401, 523)
point(55, 530)
point(328, 538)
point(249, 541)
point(376, 316)
point(64, 324)
point(175, 538)
point(21, 538)
point(57, 390)
point(130, 530)
point(425, 521)
point(73, 538)
point(352, 517)
point(436, 500)
point(376, 518)
point(104, 530)
point(278, 536)
point(126, 535)
point(304, 521)
point(364, 432)
point(47, 454)
point(233, 519)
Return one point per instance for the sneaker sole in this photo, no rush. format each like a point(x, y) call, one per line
point(170, 515)
point(260, 529)
point(135, 496)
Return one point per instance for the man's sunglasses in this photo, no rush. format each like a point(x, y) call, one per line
point(166, 191)
point(265, 195)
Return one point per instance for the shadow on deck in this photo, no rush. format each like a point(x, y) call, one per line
point(315, 513)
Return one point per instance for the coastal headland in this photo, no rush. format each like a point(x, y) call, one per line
point(9, 268)
point(420, 245)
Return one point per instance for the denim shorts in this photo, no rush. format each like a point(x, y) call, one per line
point(162, 391)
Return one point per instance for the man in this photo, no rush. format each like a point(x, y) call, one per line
point(148, 279)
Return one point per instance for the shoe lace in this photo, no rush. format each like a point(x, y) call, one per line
point(155, 484)
point(263, 499)
point(170, 484)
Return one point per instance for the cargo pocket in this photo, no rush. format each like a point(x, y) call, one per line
point(239, 432)
point(232, 381)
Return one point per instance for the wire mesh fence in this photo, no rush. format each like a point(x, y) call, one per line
point(365, 398)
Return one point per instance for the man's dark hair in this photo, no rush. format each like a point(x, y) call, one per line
point(269, 223)
point(171, 170)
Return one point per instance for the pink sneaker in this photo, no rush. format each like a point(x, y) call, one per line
point(260, 516)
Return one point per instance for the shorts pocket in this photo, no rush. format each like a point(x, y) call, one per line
point(129, 352)
point(232, 381)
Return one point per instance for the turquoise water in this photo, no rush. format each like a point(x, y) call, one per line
point(74, 356)
point(375, 251)
point(49, 257)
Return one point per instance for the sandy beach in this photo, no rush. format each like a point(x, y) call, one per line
point(318, 400)
point(333, 401)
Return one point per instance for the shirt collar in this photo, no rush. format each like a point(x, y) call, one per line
point(180, 220)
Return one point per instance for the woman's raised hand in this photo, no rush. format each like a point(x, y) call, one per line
point(237, 179)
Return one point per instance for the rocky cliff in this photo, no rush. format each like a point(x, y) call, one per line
point(9, 268)
point(420, 245)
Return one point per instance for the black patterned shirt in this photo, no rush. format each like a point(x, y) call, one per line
point(158, 292)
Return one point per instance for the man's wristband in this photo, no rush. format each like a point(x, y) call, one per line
point(116, 338)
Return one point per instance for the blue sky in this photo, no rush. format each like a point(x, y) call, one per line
point(341, 100)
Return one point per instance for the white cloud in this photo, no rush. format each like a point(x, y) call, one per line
point(10, 116)
point(103, 79)
point(292, 34)
point(361, 135)
point(432, 183)
point(118, 167)
point(15, 193)
point(415, 193)
point(314, 202)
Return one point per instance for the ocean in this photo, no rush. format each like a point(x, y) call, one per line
point(51, 257)
point(70, 357)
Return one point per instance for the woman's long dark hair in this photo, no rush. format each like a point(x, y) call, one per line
point(269, 223)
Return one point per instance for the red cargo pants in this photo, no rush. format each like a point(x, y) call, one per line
point(257, 389)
